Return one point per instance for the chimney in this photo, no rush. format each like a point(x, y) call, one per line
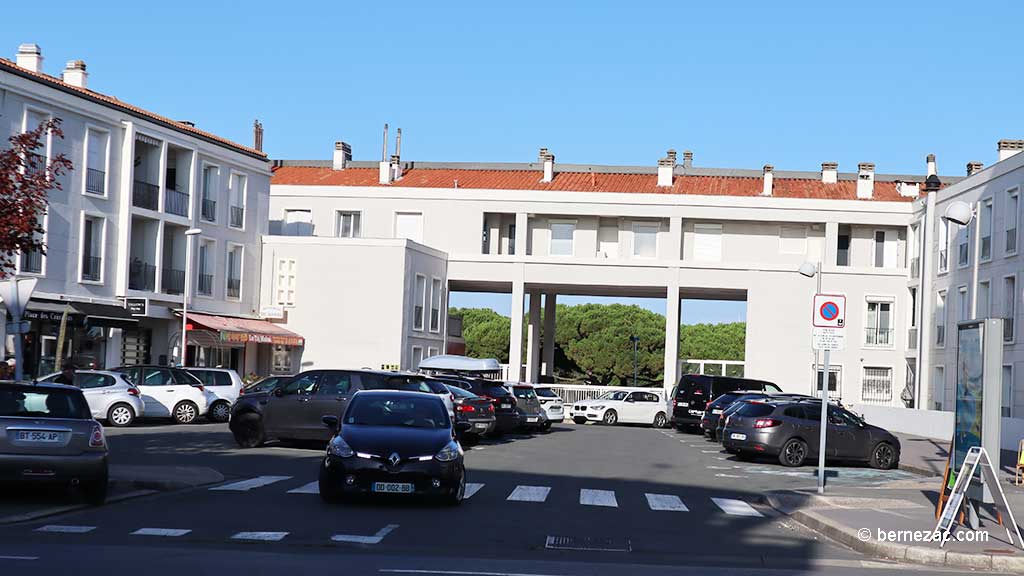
point(829, 172)
point(75, 74)
point(1006, 148)
point(30, 57)
point(865, 180)
point(687, 159)
point(342, 155)
point(257, 135)
point(384, 168)
point(769, 178)
point(396, 158)
point(666, 166)
point(974, 167)
point(548, 160)
point(908, 189)
point(930, 160)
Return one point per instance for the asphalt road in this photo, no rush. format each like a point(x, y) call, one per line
point(578, 500)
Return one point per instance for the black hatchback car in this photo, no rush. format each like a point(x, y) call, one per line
point(790, 431)
point(393, 442)
point(506, 414)
point(695, 391)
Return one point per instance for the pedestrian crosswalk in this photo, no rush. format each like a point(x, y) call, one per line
point(589, 497)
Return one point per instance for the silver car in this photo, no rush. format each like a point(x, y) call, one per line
point(110, 396)
point(47, 435)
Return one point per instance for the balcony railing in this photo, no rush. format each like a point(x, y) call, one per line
point(32, 262)
point(142, 276)
point(145, 195)
point(912, 339)
point(878, 336)
point(172, 281)
point(234, 287)
point(91, 266)
point(237, 216)
point(204, 285)
point(209, 210)
point(915, 267)
point(176, 202)
point(95, 181)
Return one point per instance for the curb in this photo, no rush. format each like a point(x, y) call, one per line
point(899, 552)
point(46, 512)
point(918, 470)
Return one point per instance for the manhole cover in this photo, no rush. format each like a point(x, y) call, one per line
point(590, 544)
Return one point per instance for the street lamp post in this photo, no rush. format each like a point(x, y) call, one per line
point(635, 340)
point(811, 270)
point(189, 234)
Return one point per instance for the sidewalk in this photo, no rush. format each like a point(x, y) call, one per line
point(928, 456)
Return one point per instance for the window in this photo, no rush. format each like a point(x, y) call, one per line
point(963, 304)
point(1009, 307)
point(885, 248)
point(876, 388)
point(334, 383)
point(419, 302)
point(435, 305)
point(608, 239)
point(879, 331)
point(297, 223)
point(843, 245)
point(1006, 408)
point(40, 157)
point(793, 240)
point(1012, 206)
point(963, 243)
point(96, 161)
point(938, 387)
point(409, 225)
point(282, 359)
point(984, 299)
point(835, 380)
point(234, 285)
point(940, 319)
point(707, 243)
point(511, 239)
point(348, 225)
point(986, 229)
point(237, 195)
point(645, 240)
point(91, 249)
point(561, 238)
point(204, 278)
point(431, 352)
point(943, 228)
point(417, 356)
point(285, 281)
point(208, 210)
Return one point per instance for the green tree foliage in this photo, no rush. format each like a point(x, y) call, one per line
point(485, 332)
point(713, 341)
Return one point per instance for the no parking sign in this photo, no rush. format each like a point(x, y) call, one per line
point(829, 311)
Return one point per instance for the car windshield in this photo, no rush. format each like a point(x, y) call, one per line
point(398, 411)
point(524, 392)
point(616, 395)
point(460, 393)
point(416, 384)
point(43, 403)
point(725, 399)
point(546, 393)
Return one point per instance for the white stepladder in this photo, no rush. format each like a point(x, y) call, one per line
point(977, 456)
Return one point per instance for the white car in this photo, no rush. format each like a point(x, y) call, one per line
point(551, 402)
point(223, 387)
point(110, 396)
point(625, 406)
point(168, 392)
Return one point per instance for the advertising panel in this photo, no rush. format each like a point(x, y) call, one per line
point(970, 369)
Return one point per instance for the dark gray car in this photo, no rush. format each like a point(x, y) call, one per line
point(790, 431)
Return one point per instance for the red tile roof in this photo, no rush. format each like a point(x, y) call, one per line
point(582, 182)
point(114, 102)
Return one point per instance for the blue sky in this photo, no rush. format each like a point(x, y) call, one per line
point(739, 83)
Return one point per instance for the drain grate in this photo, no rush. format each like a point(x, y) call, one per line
point(587, 543)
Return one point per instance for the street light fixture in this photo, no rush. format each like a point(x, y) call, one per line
point(959, 212)
point(189, 234)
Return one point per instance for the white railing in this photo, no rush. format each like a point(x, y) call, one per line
point(735, 368)
point(572, 393)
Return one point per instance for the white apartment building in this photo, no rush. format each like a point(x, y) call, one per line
point(117, 230)
point(673, 231)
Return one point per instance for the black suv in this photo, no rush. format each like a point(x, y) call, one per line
point(695, 391)
point(506, 414)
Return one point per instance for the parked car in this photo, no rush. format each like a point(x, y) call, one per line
point(694, 391)
point(623, 406)
point(223, 387)
point(47, 434)
point(393, 442)
point(713, 413)
point(552, 403)
point(789, 431)
point(425, 384)
point(534, 417)
point(265, 385)
point(110, 396)
point(507, 417)
point(477, 411)
point(168, 392)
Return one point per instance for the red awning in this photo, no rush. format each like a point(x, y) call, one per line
point(242, 330)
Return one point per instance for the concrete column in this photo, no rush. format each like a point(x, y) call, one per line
point(522, 225)
point(831, 251)
point(533, 340)
point(671, 335)
point(515, 340)
point(675, 238)
point(549, 334)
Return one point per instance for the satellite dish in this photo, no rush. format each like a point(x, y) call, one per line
point(959, 213)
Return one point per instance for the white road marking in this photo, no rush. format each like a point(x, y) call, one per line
point(721, 475)
point(170, 532)
point(375, 539)
point(311, 488)
point(529, 494)
point(721, 467)
point(667, 502)
point(472, 488)
point(456, 572)
point(735, 507)
point(260, 536)
point(66, 529)
point(19, 557)
point(605, 498)
point(245, 485)
point(711, 451)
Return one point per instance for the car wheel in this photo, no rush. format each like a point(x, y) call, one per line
point(186, 412)
point(546, 426)
point(660, 420)
point(248, 431)
point(883, 457)
point(220, 412)
point(120, 415)
point(328, 490)
point(793, 453)
point(456, 497)
point(94, 491)
point(579, 420)
point(610, 417)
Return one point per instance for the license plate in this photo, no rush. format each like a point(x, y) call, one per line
point(37, 436)
point(716, 411)
point(735, 436)
point(480, 426)
point(531, 419)
point(696, 413)
point(684, 404)
point(506, 406)
point(393, 487)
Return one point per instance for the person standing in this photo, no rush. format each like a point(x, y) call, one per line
point(67, 375)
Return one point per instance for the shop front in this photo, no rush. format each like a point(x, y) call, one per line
point(249, 346)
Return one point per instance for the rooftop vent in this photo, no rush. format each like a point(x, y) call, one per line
point(974, 167)
point(1009, 148)
point(548, 160)
point(829, 172)
point(75, 74)
point(865, 180)
point(666, 166)
point(769, 179)
point(30, 57)
point(342, 155)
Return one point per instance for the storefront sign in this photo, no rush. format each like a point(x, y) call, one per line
point(44, 316)
point(272, 312)
point(137, 306)
point(259, 338)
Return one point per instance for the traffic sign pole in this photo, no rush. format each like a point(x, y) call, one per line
point(828, 321)
point(824, 425)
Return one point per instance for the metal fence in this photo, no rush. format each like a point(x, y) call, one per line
point(145, 195)
point(877, 386)
point(572, 393)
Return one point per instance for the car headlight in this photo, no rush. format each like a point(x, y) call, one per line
point(338, 447)
point(449, 452)
point(598, 407)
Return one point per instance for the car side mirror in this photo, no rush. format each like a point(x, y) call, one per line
point(460, 426)
point(330, 421)
point(278, 392)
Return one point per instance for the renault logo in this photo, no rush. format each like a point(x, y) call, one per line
point(394, 459)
